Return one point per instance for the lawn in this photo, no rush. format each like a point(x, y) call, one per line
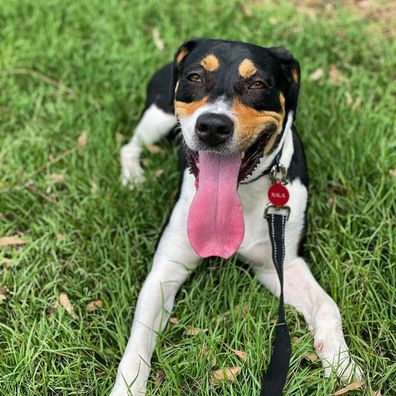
point(72, 78)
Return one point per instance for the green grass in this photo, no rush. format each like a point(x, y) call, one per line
point(73, 66)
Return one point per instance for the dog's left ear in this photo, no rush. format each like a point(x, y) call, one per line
point(291, 70)
point(178, 60)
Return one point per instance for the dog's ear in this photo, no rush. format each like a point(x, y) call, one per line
point(178, 60)
point(291, 70)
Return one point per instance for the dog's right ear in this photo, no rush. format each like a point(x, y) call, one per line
point(180, 56)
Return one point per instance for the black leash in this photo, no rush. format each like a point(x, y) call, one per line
point(277, 214)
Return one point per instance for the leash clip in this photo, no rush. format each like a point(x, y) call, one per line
point(282, 210)
point(278, 173)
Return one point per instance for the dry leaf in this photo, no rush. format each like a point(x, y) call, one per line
point(356, 104)
point(312, 357)
point(159, 377)
point(157, 39)
point(192, 331)
point(174, 320)
point(317, 74)
point(154, 149)
point(225, 374)
point(392, 172)
point(335, 76)
point(3, 293)
point(377, 393)
point(240, 354)
point(348, 97)
point(7, 262)
point(352, 386)
point(11, 240)
point(56, 177)
point(159, 172)
point(120, 138)
point(65, 302)
point(82, 141)
point(94, 305)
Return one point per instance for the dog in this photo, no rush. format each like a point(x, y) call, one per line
point(235, 105)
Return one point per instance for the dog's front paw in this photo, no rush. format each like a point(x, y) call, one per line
point(336, 359)
point(131, 170)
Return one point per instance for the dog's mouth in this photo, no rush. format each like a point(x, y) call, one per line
point(215, 223)
point(250, 158)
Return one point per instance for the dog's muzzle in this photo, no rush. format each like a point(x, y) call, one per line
point(214, 129)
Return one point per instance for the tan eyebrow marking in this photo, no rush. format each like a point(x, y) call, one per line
point(210, 63)
point(182, 55)
point(247, 68)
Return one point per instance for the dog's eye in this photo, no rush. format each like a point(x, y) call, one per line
point(257, 85)
point(194, 77)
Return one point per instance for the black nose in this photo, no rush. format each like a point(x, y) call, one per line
point(214, 129)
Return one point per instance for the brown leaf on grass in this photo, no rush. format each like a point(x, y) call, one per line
point(352, 386)
point(335, 77)
point(94, 305)
point(392, 172)
point(377, 393)
point(157, 39)
point(159, 377)
point(317, 74)
point(224, 374)
point(3, 293)
point(192, 331)
point(7, 262)
point(240, 354)
point(174, 320)
point(82, 141)
point(66, 304)
point(154, 149)
point(313, 357)
point(159, 172)
point(120, 138)
point(56, 177)
point(11, 241)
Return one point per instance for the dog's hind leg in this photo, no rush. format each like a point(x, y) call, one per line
point(302, 291)
point(173, 262)
point(157, 120)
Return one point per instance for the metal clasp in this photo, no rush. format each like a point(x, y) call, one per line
point(284, 210)
point(278, 172)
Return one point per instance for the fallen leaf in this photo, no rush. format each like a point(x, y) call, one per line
point(240, 354)
point(313, 357)
point(335, 76)
point(225, 374)
point(348, 97)
point(159, 172)
point(317, 74)
point(65, 302)
point(120, 138)
point(3, 293)
point(11, 240)
point(352, 386)
point(154, 149)
point(56, 177)
point(192, 331)
point(94, 305)
point(157, 39)
point(159, 377)
point(392, 172)
point(82, 141)
point(377, 393)
point(357, 103)
point(174, 320)
point(7, 262)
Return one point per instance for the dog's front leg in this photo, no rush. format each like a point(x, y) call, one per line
point(173, 262)
point(302, 291)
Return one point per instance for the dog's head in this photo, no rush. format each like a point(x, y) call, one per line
point(233, 97)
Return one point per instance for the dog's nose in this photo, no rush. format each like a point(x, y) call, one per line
point(213, 128)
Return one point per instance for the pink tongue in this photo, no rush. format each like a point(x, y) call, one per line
point(215, 221)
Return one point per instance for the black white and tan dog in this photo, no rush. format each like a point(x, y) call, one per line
point(235, 104)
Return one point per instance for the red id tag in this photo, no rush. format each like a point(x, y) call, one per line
point(278, 194)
